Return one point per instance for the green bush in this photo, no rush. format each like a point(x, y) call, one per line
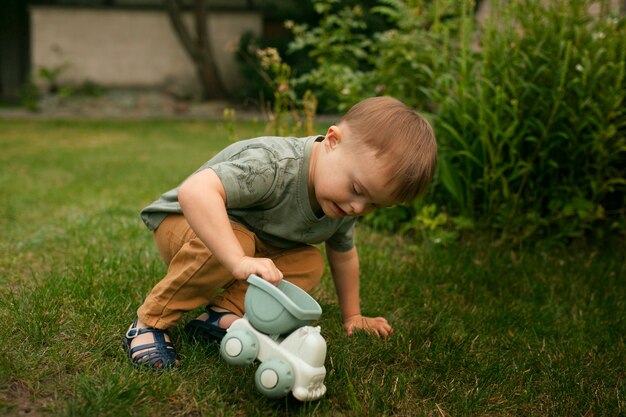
point(339, 46)
point(370, 48)
point(528, 106)
point(416, 51)
point(532, 123)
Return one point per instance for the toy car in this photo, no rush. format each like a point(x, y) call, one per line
point(274, 330)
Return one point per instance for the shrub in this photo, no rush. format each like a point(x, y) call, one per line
point(416, 51)
point(532, 124)
point(528, 107)
point(339, 46)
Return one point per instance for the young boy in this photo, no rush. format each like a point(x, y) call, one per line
point(259, 205)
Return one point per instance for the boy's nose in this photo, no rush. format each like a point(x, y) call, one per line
point(358, 207)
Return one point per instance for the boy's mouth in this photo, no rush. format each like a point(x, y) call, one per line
point(338, 210)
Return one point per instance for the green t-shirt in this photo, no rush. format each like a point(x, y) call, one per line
point(265, 180)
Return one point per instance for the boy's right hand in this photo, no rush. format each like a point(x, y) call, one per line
point(262, 267)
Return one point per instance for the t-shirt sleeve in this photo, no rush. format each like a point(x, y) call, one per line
point(248, 177)
point(343, 239)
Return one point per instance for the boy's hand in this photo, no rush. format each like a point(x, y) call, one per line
point(262, 267)
point(374, 325)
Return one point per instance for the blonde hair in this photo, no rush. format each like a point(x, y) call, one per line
point(401, 136)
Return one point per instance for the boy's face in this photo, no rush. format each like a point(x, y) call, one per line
point(346, 178)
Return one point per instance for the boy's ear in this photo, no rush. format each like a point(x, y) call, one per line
point(334, 136)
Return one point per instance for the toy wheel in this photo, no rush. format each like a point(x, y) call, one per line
point(239, 347)
point(274, 378)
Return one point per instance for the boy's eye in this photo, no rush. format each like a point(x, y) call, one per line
point(356, 190)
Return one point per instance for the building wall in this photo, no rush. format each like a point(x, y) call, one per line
point(130, 48)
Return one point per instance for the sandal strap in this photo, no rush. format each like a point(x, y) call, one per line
point(215, 317)
point(150, 353)
point(153, 357)
point(134, 332)
point(146, 346)
point(208, 329)
point(153, 353)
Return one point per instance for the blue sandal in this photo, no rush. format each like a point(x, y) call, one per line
point(210, 329)
point(158, 355)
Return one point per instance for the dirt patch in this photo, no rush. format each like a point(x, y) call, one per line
point(18, 399)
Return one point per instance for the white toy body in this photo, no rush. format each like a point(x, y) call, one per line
point(294, 363)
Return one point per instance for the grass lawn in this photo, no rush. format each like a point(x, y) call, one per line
point(479, 329)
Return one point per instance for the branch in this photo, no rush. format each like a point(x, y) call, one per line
point(202, 35)
point(174, 14)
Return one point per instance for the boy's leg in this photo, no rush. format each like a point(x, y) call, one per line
point(193, 277)
point(301, 266)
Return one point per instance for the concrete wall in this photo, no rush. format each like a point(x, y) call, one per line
point(130, 48)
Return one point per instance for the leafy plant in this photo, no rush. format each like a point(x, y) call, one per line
point(407, 58)
point(51, 76)
point(339, 46)
point(286, 111)
point(532, 127)
point(528, 105)
point(421, 220)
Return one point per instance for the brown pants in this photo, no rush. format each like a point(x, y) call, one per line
point(194, 277)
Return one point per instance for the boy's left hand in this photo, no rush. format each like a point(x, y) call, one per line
point(374, 325)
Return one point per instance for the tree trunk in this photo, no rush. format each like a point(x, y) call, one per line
point(199, 49)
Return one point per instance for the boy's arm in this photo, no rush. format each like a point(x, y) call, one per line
point(203, 201)
point(345, 270)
